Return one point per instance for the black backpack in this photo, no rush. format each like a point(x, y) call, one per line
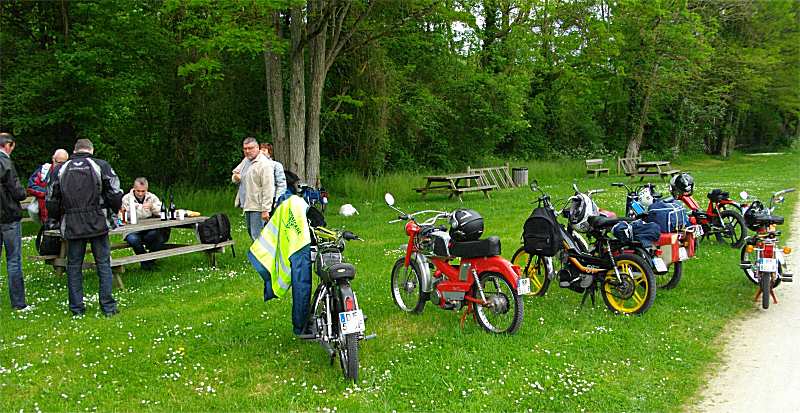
point(48, 244)
point(541, 235)
point(215, 229)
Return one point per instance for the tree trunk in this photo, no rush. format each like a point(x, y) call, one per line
point(318, 74)
point(637, 138)
point(297, 97)
point(65, 21)
point(277, 120)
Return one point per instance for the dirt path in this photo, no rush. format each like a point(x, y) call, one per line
point(761, 372)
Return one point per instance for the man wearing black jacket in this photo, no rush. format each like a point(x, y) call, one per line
point(11, 193)
point(79, 194)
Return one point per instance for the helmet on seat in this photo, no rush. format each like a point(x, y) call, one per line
point(580, 209)
point(646, 196)
point(681, 184)
point(466, 225)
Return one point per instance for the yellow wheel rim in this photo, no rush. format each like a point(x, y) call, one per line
point(631, 297)
point(532, 271)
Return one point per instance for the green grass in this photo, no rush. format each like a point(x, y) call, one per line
point(192, 338)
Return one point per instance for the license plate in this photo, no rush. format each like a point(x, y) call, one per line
point(682, 254)
point(523, 286)
point(659, 265)
point(768, 265)
point(351, 322)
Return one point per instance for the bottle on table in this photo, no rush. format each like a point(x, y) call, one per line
point(163, 214)
point(172, 211)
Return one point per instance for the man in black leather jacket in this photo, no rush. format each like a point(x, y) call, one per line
point(11, 193)
point(80, 193)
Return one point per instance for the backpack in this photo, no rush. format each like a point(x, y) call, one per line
point(215, 229)
point(645, 233)
point(48, 244)
point(540, 234)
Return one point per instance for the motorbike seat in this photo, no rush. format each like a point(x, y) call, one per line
point(488, 247)
point(338, 271)
point(767, 220)
point(717, 195)
point(601, 222)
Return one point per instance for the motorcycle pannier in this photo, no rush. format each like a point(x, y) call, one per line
point(541, 235)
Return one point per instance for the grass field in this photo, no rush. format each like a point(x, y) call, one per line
point(193, 338)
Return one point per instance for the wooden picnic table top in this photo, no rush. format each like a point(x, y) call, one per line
point(453, 177)
point(652, 163)
point(143, 225)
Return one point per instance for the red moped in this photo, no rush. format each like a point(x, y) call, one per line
point(722, 217)
point(481, 282)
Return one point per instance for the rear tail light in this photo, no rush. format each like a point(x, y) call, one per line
point(769, 251)
point(349, 304)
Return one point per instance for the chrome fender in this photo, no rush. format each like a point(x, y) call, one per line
point(424, 271)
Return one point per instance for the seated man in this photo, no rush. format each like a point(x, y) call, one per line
point(146, 205)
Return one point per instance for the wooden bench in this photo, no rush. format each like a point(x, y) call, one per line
point(484, 188)
point(628, 165)
point(594, 166)
point(670, 172)
point(455, 184)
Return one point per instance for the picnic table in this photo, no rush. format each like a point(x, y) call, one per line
point(455, 184)
point(654, 168)
point(59, 262)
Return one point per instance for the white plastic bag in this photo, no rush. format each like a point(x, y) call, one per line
point(348, 210)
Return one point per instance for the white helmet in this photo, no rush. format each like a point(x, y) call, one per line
point(646, 197)
point(581, 208)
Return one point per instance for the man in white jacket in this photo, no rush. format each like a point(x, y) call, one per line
point(145, 205)
point(256, 187)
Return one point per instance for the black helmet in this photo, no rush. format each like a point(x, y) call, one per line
point(681, 184)
point(466, 225)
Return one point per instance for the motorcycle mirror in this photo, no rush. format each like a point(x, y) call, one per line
point(744, 194)
point(780, 199)
point(389, 198)
point(535, 185)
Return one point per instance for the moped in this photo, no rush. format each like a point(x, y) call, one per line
point(721, 217)
point(481, 282)
point(762, 260)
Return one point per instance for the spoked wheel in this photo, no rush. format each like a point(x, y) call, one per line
point(348, 357)
point(503, 311)
point(533, 267)
point(671, 278)
point(733, 229)
point(407, 287)
point(318, 316)
point(765, 283)
point(635, 292)
point(749, 257)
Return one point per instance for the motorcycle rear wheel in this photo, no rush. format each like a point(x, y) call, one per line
point(505, 311)
point(636, 293)
point(671, 278)
point(348, 357)
point(533, 268)
point(765, 281)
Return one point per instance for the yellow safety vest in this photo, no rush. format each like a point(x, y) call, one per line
point(285, 233)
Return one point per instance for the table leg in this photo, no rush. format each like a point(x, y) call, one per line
point(427, 188)
point(116, 271)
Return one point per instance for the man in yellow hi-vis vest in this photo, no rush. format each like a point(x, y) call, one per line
point(282, 256)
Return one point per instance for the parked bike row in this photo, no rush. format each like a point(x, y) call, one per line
point(574, 242)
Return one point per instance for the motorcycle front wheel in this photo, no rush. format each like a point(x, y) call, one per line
point(407, 287)
point(635, 292)
point(348, 357)
point(503, 311)
point(533, 267)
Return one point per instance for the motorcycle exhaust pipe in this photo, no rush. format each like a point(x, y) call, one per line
point(371, 336)
point(787, 278)
point(746, 265)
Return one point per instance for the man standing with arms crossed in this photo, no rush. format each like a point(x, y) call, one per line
point(79, 194)
point(11, 193)
point(256, 187)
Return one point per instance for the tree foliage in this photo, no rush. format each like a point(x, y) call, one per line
point(169, 88)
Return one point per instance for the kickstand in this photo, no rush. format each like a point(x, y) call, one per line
point(467, 311)
point(771, 294)
point(589, 292)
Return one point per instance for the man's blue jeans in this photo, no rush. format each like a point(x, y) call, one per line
point(153, 239)
point(300, 263)
point(11, 241)
point(101, 250)
point(254, 223)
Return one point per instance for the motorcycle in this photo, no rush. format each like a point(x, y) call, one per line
point(762, 260)
point(722, 217)
point(672, 248)
point(482, 283)
point(335, 318)
point(625, 280)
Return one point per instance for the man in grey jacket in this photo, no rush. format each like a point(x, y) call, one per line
point(256, 187)
point(11, 193)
